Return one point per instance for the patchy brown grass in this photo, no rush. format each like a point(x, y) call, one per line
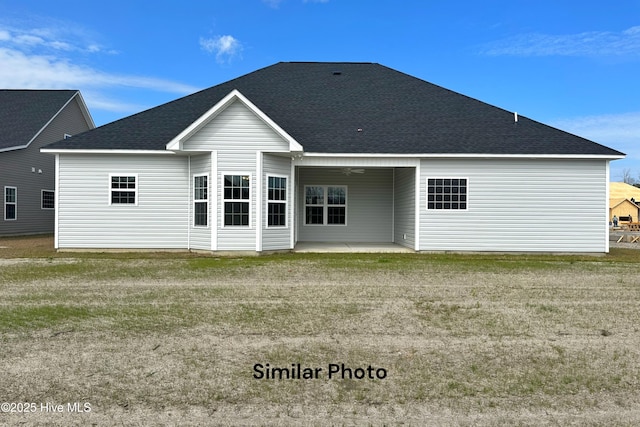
point(27, 246)
point(465, 340)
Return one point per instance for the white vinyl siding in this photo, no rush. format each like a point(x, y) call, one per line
point(236, 237)
point(275, 238)
point(369, 205)
point(159, 220)
point(200, 237)
point(404, 207)
point(236, 127)
point(519, 205)
point(236, 134)
point(235, 162)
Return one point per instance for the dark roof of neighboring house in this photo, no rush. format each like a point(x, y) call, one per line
point(23, 113)
point(324, 105)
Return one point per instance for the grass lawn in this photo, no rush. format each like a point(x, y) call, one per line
point(174, 339)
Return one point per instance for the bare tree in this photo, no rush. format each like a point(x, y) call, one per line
point(627, 178)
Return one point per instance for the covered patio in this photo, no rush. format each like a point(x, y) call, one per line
point(363, 207)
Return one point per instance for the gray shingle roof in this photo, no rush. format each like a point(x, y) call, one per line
point(23, 113)
point(323, 105)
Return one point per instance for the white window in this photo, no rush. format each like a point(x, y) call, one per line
point(200, 200)
point(10, 203)
point(276, 201)
point(325, 205)
point(447, 193)
point(48, 199)
point(123, 189)
point(236, 200)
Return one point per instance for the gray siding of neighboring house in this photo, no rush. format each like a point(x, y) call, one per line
point(238, 136)
point(159, 221)
point(274, 238)
point(519, 205)
point(200, 236)
point(16, 171)
point(404, 214)
point(369, 205)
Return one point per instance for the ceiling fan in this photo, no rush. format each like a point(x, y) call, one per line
point(349, 171)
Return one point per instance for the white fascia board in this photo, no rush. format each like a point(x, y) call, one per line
point(85, 111)
point(16, 147)
point(467, 156)
point(176, 143)
point(88, 151)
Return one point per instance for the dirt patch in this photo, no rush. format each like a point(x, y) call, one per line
point(27, 246)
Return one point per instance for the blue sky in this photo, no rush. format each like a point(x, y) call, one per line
point(570, 64)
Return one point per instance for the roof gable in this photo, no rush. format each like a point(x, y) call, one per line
point(619, 202)
point(348, 108)
point(24, 114)
point(177, 143)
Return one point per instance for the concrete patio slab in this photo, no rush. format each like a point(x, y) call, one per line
point(350, 247)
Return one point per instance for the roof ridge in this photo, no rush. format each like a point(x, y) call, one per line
point(330, 62)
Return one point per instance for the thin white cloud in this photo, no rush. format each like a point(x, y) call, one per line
point(273, 3)
point(21, 70)
point(63, 37)
point(225, 47)
point(619, 131)
point(50, 54)
point(97, 100)
point(586, 44)
point(27, 71)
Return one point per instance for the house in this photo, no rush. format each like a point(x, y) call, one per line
point(29, 120)
point(331, 152)
point(624, 209)
point(623, 202)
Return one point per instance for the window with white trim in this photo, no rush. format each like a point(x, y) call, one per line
point(123, 190)
point(325, 205)
point(48, 199)
point(10, 203)
point(447, 193)
point(201, 200)
point(236, 200)
point(276, 201)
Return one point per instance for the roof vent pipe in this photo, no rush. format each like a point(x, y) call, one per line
point(515, 117)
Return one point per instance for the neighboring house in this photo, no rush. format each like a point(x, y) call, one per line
point(29, 120)
point(331, 152)
point(623, 202)
point(624, 209)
